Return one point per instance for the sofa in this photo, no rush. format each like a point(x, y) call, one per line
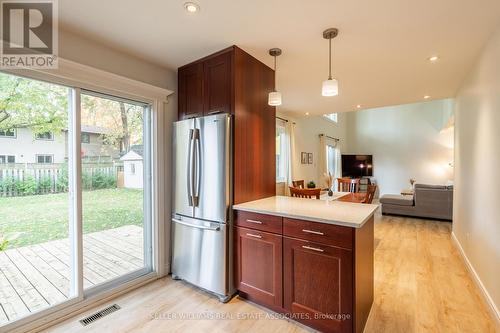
point(428, 201)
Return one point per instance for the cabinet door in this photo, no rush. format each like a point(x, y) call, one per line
point(318, 285)
point(217, 84)
point(259, 266)
point(190, 91)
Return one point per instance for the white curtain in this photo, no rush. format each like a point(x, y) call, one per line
point(289, 154)
point(322, 159)
point(325, 143)
point(338, 165)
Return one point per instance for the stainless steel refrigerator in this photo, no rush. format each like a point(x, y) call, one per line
point(201, 219)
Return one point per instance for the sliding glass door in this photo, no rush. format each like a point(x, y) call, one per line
point(115, 182)
point(37, 259)
point(75, 195)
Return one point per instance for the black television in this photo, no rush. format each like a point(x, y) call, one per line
point(357, 166)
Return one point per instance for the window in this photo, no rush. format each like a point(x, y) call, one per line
point(44, 159)
point(280, 151)
point(85, 138)
point(8, 133)
point(7, 159)
point(132, 169)
point(330, 160)
point(45, 136)
point(331, 117)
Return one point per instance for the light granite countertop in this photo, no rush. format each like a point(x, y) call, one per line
point(324, 211)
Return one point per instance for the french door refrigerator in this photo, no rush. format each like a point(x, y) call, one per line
point(201, 219)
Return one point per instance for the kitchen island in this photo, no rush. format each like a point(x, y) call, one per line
point(311, 260)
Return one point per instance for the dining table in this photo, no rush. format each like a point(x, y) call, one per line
point(356, 197)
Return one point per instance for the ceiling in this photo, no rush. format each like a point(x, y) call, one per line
point(380, 56)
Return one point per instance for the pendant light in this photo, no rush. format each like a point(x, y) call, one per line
point(330, 86)
point(274, 98)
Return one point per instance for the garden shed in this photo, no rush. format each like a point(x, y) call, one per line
point(133, 167)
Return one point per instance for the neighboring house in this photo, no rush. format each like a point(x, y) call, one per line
point(21, 145)
point(133, 167)
point(93, 145)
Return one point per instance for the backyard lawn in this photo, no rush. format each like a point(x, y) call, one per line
point(40, 218)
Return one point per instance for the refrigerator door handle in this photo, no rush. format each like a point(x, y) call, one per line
point(197, 167)
point(195, 226)
point(190, 170)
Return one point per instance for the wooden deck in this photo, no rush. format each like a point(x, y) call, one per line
point(38, 276)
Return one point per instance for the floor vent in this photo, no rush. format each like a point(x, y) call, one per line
point(104, 312)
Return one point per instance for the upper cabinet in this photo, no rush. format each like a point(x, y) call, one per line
point(232, 81)
point(191, 91)
point(205, 86)
point(217, 84)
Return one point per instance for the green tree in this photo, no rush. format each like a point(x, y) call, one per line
point(43, 107)
point(37, 105)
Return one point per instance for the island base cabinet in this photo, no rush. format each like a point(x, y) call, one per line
point(318, 285)
point(259, 266)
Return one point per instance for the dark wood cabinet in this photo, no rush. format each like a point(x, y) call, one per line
point(190, 81)
point(259, 266)
point(318, 284)
point(217, 85)
point(232, 81)
point(316, 273)
point(206, 86)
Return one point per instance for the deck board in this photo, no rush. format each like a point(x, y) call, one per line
point(35, 277)
point(12, 304)
point(24, 288)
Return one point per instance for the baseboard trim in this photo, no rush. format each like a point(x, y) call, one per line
point(475, 277)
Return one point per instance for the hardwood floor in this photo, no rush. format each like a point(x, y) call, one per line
point(421, 285)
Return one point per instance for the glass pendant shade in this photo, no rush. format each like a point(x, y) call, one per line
point(330, 87)
point(274, 98)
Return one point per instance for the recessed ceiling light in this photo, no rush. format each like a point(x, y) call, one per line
point(433, 58)
point(427, 97)
point(358, 106)
point(191, 7)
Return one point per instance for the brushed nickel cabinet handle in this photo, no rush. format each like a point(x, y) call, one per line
point(311, 248)
point(255, 236)
point(254, 221)
point(313, 232)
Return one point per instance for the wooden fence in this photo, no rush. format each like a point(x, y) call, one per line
point(32, 178)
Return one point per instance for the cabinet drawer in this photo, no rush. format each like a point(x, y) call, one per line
point(319, 232)
point(257, 221)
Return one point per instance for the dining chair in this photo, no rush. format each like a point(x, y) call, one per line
point(370, 194)
point(298, 183)
point(305, 192)
point(348, 185)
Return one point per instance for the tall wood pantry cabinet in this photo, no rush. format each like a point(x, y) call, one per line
point(232, 81)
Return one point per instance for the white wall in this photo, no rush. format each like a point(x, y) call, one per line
point(406, 142)
point(307, 130)
point(91, 53)
point(476, 216)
